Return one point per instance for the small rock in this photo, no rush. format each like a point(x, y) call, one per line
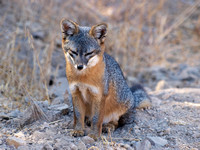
point(196, 135)
point(37, 147)
point(1, 142)
point(38, 135)
point(45, 125)
point(59, 107)
point(15, 113)
point(24, 147)
point(47, 147)
point(57, 100)
point(87, 140)
point(20, 135)
point(189, 74)
point(16, 142)
point(136, 129)
point(157, 141)
point(81, 145)
point(126, 146)
point(167, 131)
point(72, 146)
point(4, 116)
point(143, 145)
point(62, 108)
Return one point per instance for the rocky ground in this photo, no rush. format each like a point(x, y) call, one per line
point(173, 121)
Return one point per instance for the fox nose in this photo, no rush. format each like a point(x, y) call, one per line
point(80, 67)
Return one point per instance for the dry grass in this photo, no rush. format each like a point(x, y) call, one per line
point(141, 34)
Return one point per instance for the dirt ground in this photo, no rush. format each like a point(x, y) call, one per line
point(156, 44)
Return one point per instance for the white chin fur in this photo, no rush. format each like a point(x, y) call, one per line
point(93, 61)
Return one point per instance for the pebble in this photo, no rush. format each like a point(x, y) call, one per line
point(38, 135)
point(196, 135)
point(16, 142)
point(87, 140)
point(47, 147)
point(157, 141)
point(143, 145)
point(81, 145)
point(126, 146)
point(20, 135)
point(24, 147)
point(72, 146)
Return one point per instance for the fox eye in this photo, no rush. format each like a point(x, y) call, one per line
point(90, 53)
point(72, 53)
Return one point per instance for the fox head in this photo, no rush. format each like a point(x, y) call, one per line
point(82, 46)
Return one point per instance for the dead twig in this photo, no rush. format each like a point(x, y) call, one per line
point(178, 21)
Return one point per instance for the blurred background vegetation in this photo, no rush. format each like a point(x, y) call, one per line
point(153, 41)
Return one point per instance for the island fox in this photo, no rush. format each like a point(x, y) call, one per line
point(97, 85)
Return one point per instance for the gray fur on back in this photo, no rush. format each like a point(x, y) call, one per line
point(113, 74)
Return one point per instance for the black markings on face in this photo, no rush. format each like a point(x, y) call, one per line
point(82, 47)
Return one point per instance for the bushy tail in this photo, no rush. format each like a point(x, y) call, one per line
point(141, 98)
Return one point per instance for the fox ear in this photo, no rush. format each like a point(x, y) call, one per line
point(68, 27)
point(99, 31)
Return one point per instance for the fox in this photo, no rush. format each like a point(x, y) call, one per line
point(100, 93)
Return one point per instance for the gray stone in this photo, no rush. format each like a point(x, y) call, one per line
point(24, 147)
point(189, 74)
point(4, 116)
point(81, 145)
point(59, 107)
point(47, 147)
point(196, 135)
point(157, 141)
point(16, 142)
point(72, 146)
point(87, 140)
point(15, 113)
point(1, 142)
point(143, 145)
point(45, 125)
point(36, 147)
point(38, 135)
point(58, 100)
point(126, 146)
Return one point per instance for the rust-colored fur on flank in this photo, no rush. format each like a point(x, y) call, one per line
point(112, 106)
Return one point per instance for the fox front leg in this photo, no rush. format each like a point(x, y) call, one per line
point(79, 116)
point(97, 120)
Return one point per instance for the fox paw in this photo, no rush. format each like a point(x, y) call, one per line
point(108, 128)
point(95, 137)
point(77, 133)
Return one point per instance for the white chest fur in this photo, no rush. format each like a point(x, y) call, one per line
point(83, 88)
